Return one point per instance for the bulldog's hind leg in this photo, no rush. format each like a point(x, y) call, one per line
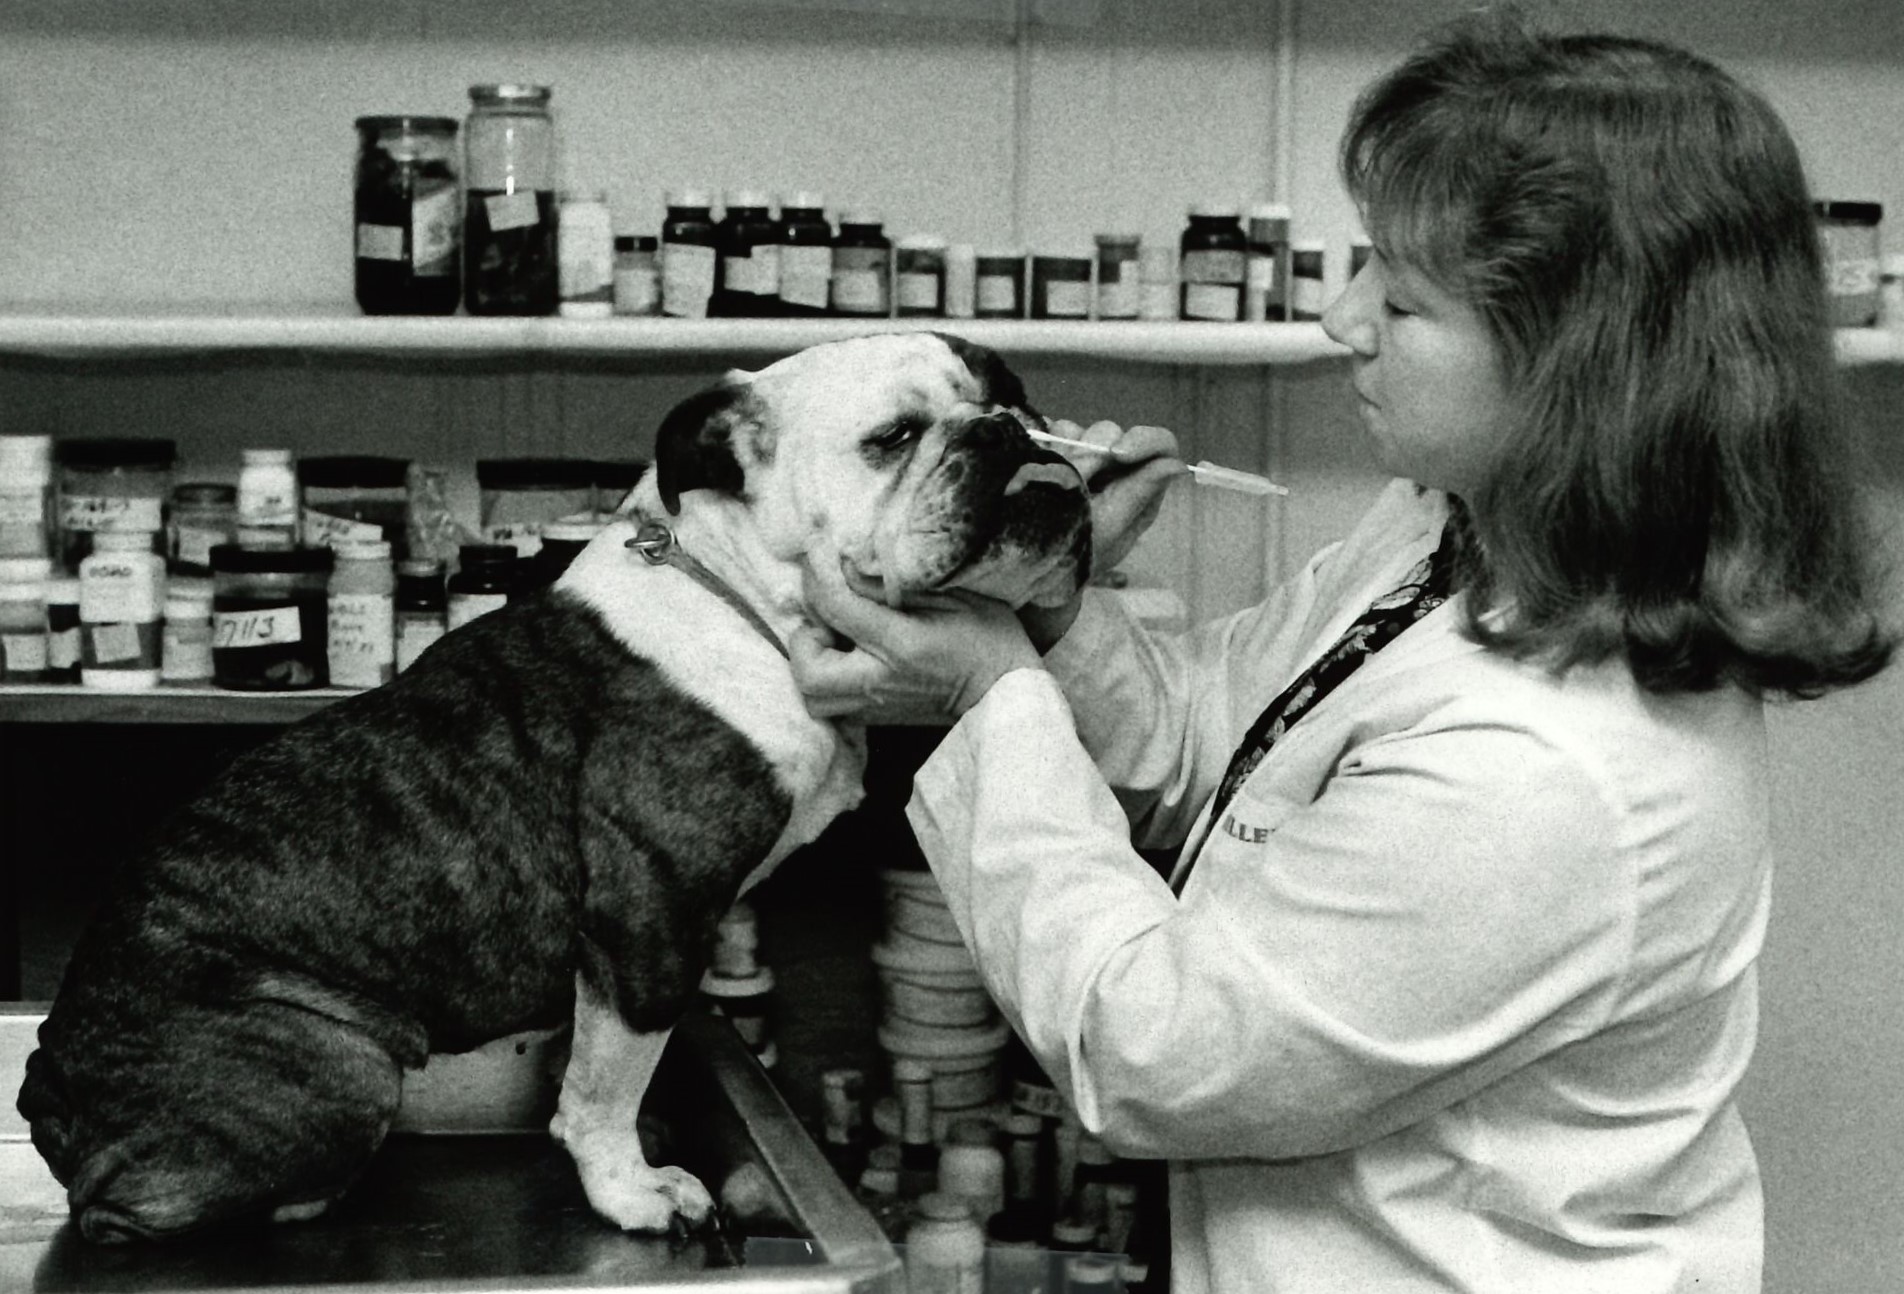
point(258, 1110)
point(609, 1068)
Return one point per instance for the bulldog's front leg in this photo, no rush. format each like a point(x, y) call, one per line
point(609, 1069)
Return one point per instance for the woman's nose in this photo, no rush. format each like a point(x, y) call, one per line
point(1350, 318)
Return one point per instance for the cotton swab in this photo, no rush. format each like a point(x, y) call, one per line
point(1204, 472)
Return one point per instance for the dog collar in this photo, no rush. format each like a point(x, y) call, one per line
point(656, 543)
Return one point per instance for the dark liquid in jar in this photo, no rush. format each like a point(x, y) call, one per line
point(509, 271)
point(387, 192)
point(276, 667)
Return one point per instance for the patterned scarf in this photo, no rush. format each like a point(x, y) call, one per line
point(1426, 587)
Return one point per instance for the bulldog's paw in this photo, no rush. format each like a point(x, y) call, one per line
point(636, 1197)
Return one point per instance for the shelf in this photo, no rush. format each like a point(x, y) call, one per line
point(174, 704)
point(104, 332)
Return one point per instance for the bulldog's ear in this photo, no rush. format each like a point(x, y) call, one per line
point(1002, 386)
point(694, 450)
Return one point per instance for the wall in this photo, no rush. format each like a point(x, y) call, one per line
point(199, 151)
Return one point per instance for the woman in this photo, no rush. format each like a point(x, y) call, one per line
point(1453, 985)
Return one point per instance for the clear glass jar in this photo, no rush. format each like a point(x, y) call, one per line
point(1214, 264)
point(688, 256)
point(862, 268)
point(204, 515)
point(409, 220)
point(108, 484)
point(356, 497)
point(361, 636)
point(509, 258)
point(270, 618)
point(806, 254)
point(26, 496)
point(520, 496)
point(23, 619)
point(1061, 287)
point(747, 283)
point(585, 255)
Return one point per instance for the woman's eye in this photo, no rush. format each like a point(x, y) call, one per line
point(1394, 311)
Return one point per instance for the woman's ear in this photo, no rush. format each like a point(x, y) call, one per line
point(694, 449)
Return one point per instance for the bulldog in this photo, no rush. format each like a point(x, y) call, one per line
point(542, 820)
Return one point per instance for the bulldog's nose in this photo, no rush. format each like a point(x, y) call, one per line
point(1003, 431)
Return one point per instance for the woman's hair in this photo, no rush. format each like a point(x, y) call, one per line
point(1634, 227)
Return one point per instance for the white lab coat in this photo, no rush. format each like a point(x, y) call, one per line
point(1460, 990)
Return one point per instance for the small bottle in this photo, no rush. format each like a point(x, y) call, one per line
point(843, 1114)
point(918, 1156)
point(862, 268)
point(121, 606)
point(945, 1249)
point(562, 543)
point(1061, 287)
point(1118, 284)
point(1266, 274)
point(971, 1165)
point(185, 644)
point(1000, 290)
point(23, 618)
point(961, 281)
point(1091, 1274)
point(485, 577)
point(584, 255)
point(1157, 282)
point(637, 276)
point(62, 629)
point(362, 639)
point(919, 277)
point(421, 607)
point(747, 284)
point(204, 515)
point(1213, 267)
point(267, 500)
point(26, 496)
point(1308, 292)
point(806, 255)
point(687, 255)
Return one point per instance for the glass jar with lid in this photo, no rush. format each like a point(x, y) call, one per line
point(509, 230)
point(354, 497)
point(204, 515)
point(112, 484)
point(409, 221)
point(270, 618)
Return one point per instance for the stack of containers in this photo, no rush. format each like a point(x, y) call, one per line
point(935, 1007)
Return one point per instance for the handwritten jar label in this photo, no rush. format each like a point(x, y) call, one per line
point(266, 627)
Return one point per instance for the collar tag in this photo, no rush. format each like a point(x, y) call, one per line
point(654, 541)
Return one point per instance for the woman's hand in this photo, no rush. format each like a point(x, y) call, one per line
point(1126, 484)
point(939, 657)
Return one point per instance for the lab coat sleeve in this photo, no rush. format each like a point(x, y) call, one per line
point(1157, 710)
point(1450, 908)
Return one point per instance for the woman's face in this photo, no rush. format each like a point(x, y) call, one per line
point(1429, 380)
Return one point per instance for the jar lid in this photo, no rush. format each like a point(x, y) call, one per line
point(469, 555)
point(865, 219)
point(1073, 1233)
point(1269, 211)
point(922, 243)
point(574, 530)
point(408, 125)
point(690, 198)
point(420, 567)
point(265, 457)
point(944, 1206)
point(117, 451)
point(123, 541)
point(354, 472)
point(1858, 213)
point(511, 94)
point(749, 199)
point(232, 559)
point(1214, 211)
point(618, 473)
point(362, 550)
point(761, 981)
point(1071, 259)
point(1001, 254)
point(534, 473)
point(1118, 240)
point(24, 456)
point(1309, 245)
point(804, 200)
point(25, 570)
point(204, 492)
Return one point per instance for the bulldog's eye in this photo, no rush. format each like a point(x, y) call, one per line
point(898, 435)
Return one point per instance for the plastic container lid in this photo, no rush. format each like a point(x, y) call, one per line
point(871, 219)
point(534, 473)
point(1269, 211)
point(354, 472)
point(1117, 240)
point(1074, 1234)
point(362, 550)
point(511, 94)
point(419, 125)
point(25, 570)
point(738, 199)
point(1214, 211)
point(804, 200)
point(117, 451)
point(1309, 245)
point(944, 1206)
point(265, 457)
point(23, 457)
point(688, 198)
point(1001, 253)
point(272, 561)
point(921, 243)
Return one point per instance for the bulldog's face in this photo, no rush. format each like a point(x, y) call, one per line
point(907, 451)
